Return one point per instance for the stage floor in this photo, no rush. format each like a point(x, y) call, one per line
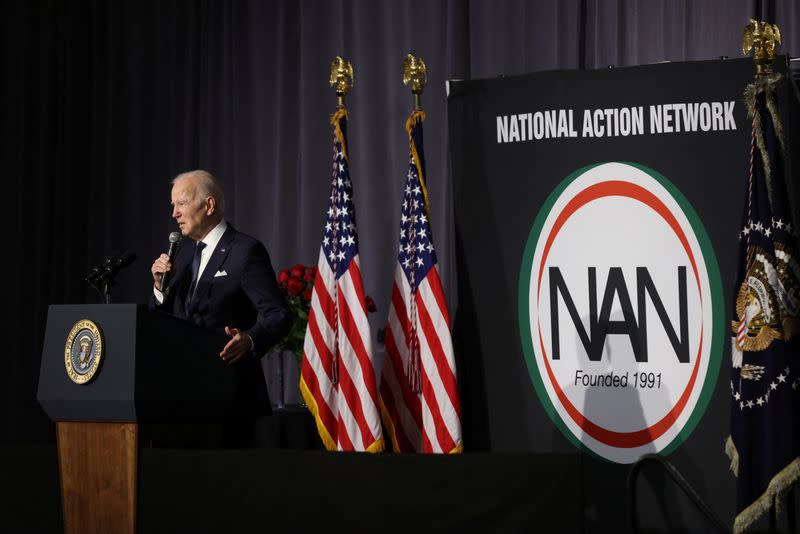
point(260, 489)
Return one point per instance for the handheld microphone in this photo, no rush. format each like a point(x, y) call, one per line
point(174, 237)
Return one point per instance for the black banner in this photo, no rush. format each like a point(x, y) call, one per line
point(597, 217)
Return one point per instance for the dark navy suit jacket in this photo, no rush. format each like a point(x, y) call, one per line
point(237, 289)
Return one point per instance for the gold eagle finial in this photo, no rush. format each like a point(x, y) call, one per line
point(415, 73)
point(763, 38)
point(341, 77)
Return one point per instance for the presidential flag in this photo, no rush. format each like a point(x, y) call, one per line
point(337, 377)
point(764, 445)
point(419, 392)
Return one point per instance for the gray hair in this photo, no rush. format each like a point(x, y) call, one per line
point(207, 186)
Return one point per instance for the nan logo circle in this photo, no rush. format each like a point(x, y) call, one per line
point(621, 311)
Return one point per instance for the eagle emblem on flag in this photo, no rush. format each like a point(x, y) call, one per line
point(767, 301)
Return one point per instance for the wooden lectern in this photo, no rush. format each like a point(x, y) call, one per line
point(153, 368)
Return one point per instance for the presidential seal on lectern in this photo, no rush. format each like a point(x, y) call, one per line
point(83, 351)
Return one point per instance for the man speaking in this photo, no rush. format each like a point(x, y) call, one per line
point(222, 280)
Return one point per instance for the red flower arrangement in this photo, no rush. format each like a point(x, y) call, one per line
point(297, 285)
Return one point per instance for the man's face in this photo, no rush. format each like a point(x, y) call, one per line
point(189, 212)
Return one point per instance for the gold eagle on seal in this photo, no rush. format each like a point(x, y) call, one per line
point(767, 302)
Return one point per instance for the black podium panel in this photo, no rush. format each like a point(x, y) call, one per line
point(154, 368)
point(110, 396)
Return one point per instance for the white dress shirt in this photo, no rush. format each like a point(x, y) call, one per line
point(211, 239)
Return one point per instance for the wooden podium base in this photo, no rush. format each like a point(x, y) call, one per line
point(97, 462)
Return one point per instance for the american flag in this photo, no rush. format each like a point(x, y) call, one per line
point(337, 378)
point(419, 392)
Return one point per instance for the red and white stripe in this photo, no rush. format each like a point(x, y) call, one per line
point(428, 421)
point(741, 333)
point(346, 411)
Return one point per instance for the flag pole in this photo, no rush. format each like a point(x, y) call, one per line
point(763, 39)
point(341, 79)
point(414, 374)
point(338, 336)
point(762, 347)
point(416, 73)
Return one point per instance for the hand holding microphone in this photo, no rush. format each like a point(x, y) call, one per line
point(163, 264)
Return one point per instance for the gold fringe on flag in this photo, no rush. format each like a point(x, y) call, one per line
point(775, 493)
point(311, 404)
point(417, 117)
point(336, 118)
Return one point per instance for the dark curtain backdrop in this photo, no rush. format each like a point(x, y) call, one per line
point(103, 102)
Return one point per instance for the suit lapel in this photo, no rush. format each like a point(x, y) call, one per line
point(221, 252)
